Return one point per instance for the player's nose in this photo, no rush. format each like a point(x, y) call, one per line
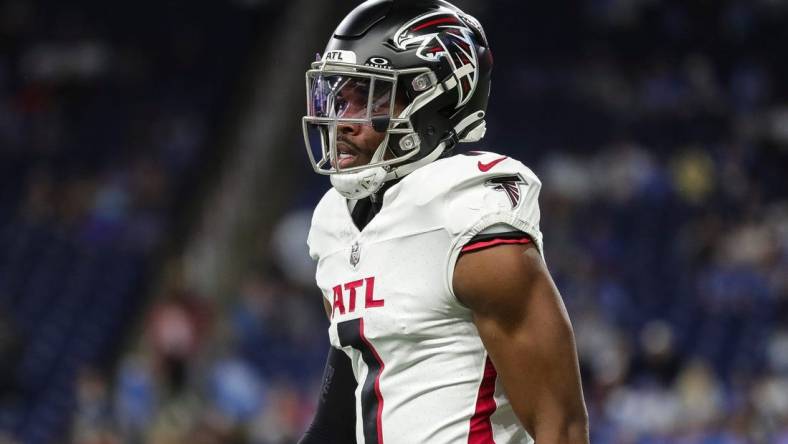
point(348, 129)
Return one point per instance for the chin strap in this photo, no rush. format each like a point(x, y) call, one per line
point(408, 168)
point(477, 126)
point(367, 182)
point(359, 185)
point(364, 183)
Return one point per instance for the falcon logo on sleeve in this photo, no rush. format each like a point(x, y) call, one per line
point(509, 184)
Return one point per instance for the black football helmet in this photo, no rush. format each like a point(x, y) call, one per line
point(427, 55)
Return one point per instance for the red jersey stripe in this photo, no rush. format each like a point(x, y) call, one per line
point(492, 242)
point(480, 426)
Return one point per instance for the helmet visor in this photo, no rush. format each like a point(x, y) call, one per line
point(340, 99)
point(349, 97)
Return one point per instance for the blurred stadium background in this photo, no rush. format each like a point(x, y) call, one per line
point(154, 282)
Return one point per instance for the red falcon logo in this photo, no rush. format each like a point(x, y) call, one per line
point(509, 184)
point(444, 34)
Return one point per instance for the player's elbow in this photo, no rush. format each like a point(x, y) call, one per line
point(576, 430)
point(571, 428)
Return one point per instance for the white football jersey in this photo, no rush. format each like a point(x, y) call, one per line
point(423, 374)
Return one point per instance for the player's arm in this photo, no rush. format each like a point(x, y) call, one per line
point(525, 327)
point(335, 416)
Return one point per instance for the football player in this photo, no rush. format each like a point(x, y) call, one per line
point(446, 326)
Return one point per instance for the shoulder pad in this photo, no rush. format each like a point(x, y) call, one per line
point(483, 189)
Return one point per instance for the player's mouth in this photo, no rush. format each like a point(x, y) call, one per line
point(347, 156)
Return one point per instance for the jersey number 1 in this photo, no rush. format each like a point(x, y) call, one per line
point(351, 334)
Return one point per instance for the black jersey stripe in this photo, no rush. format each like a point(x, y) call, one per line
point(351, 334)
